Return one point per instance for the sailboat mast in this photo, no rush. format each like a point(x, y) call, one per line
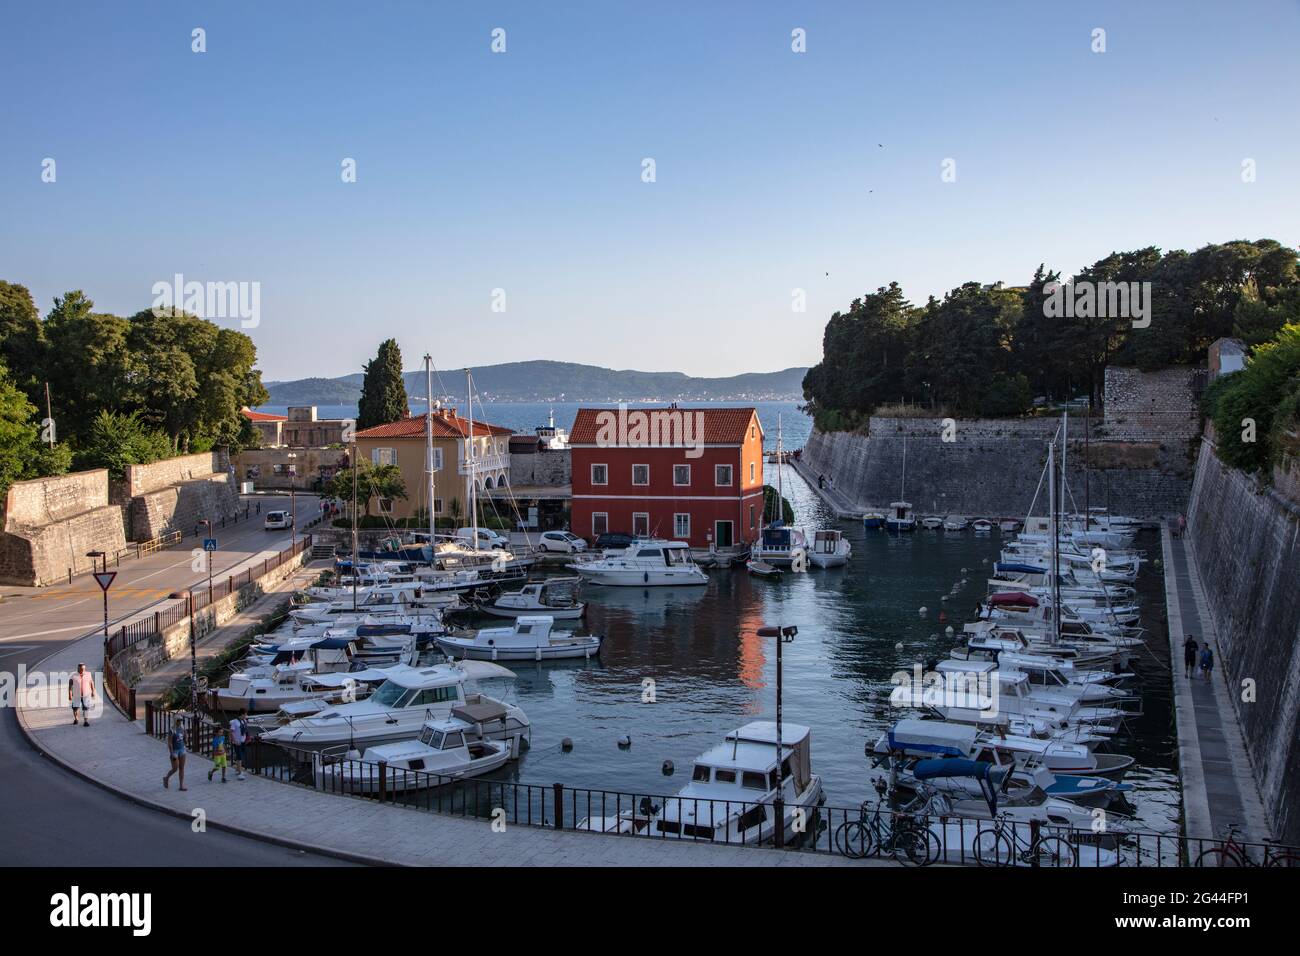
point(428, 440)
point(1054, 566)
point(469, 458)
point(355, 465)
point(780, 488)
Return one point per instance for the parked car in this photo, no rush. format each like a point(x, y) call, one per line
point(487, 539)
point(277, 520)
point(562, 542)
point(613, 541)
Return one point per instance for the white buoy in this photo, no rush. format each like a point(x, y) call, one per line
point(948, 630)
point(898, 646)
point(923, 610)
point(624, 742)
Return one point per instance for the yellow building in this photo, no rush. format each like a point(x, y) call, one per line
point(402, 443)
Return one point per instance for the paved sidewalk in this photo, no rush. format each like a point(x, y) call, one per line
point(1218, 784)
point(118, 755)
point(834, 498)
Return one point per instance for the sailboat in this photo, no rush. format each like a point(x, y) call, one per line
point(900, 518)
point(778, 546)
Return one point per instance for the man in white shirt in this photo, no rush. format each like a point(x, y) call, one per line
point(238, 735)
point(81, 691)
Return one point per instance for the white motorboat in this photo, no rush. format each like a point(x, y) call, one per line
point(830, 549)
point(780, 546)
point(531, 638)
point(397, 710)
point(382, 600)
point(932, 523)
point(1009, 525)
point(732, 790)
point(447, 750)
point(982, 526)
point(647, 562)
point(288, 682)
point(955, 523)
point(900, 517)
point(554, 597)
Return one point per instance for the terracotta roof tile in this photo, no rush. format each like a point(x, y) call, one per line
point(445, 425)
point(722, 426)
point(253, 416)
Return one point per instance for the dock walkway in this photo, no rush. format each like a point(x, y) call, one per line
point(1218, 784)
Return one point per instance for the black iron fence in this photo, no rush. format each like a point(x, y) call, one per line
point(918, 837)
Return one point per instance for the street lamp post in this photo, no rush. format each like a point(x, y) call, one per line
point(293, 502)
point(783, 635)
point(101, 554)
point(208, 522)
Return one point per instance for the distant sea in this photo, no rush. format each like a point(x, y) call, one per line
point(525, 416)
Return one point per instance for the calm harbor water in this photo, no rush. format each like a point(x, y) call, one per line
point(711, 673)
point(523, 417)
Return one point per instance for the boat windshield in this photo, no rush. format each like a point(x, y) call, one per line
point(390, 694)
point(677, 556)
point(700, 774)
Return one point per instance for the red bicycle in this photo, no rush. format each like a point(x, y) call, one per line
point(1234, 853)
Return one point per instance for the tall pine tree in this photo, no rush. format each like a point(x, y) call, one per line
point(383, 393)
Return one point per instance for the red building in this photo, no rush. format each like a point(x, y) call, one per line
point(688, 474)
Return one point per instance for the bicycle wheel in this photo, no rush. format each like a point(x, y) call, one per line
point(994, 848)
point(1053, 851)
point(1218, 856)
point(1286, 859)
point(853, 839)
point(926, 848)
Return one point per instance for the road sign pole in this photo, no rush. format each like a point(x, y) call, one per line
point(105, 580)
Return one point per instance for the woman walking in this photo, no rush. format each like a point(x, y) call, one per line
point(176, 750)
point(1207, 661)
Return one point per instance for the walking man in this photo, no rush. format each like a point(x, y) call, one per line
point(1189, 656)
point(237, 732)
point(1207, 661)
point(81, 691)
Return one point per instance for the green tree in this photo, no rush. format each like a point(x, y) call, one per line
point(1253, 408)
point(383, 392)
point(22, 454)
point(87, 362)
point(373, 481)
point(22, 339)
point(115, 440)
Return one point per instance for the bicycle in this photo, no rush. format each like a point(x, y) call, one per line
point(1004, 846)
point(1234, 853)
point(907, 838)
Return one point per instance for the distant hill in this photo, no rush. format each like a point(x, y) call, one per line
point(543, 381)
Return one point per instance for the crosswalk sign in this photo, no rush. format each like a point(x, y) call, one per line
point(209, 544)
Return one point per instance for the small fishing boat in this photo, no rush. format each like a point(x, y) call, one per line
point(982, 526)
point(873, 519)
point(554, 597)
point(762, 569)
point(1009, 525)
point(955, 523)
point(900, 518)
point(647, 562)
point(447, 750)
point(530, 639)
point(932, 523)
point(830, 549)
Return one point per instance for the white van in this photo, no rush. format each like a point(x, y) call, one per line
point(487, 539)
point(277, 520)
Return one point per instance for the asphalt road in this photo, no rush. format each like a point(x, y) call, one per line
point(50, 817)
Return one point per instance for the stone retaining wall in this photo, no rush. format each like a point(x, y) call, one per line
point(1247, 549)
point(50, 524)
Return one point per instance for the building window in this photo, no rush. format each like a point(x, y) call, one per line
point(751, 518)
point(599, 523)
point(385, 506)
point(437, 459)
point(751, 472)
point(681, 526)
point(383, 456)
point(641, 524)
point(600, 474)
point(753, 431)
point(722, 475)
point(640, 474)
point(681, 474)
point(437, 506)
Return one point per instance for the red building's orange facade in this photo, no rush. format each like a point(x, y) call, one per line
point(688, 474)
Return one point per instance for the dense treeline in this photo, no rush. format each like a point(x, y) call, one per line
point(1256, 411)
point(121, 390)
point(989, 350)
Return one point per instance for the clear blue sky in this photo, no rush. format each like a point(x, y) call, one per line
point(522, 170)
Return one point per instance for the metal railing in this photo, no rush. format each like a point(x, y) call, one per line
point(920, 838)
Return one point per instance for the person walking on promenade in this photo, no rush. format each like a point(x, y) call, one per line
point(1189, 656)
point(176, 750)
point(1182, 526)
point(81, 691)
point(219, 760)
point(238, 732)
point(1207, 661)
